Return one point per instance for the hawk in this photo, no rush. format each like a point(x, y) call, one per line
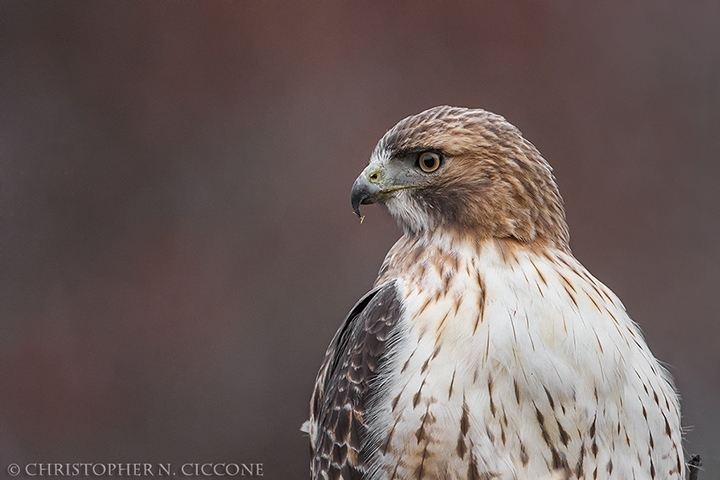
point(485, 350)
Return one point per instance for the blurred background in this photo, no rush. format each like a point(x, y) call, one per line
point(177, 246)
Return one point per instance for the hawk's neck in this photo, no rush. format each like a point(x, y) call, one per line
point(414, 254)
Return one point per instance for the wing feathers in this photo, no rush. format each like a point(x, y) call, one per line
point(344, 386)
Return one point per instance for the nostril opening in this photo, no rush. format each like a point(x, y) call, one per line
point(374, 176)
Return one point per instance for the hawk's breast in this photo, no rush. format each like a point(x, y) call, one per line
point(514, 363)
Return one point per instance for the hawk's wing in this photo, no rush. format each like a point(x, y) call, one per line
point(344, 386)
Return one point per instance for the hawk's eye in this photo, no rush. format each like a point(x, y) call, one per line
point(429, 162)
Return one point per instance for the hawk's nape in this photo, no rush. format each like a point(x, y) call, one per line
point(485, 349)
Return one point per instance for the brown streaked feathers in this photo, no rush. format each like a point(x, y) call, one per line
point(485, 349)
point(495, 183)
point(343, 388)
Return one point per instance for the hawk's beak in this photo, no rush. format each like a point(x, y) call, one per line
point(366, 187)
point(363, 193)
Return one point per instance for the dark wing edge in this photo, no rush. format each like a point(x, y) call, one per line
point(343, 388)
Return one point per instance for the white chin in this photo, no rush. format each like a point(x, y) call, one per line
point(410, 215)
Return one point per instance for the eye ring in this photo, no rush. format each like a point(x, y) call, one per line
point(429, 161)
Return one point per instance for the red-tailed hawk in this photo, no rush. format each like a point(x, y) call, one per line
point(485, 350)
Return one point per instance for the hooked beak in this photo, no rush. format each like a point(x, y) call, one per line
point(375, 184)
point(363, 192)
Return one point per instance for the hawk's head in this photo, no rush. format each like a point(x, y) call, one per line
point(469, 171)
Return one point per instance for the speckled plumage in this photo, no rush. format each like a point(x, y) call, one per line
point(485, 350)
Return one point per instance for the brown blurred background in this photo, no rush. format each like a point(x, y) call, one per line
point(176, 241)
